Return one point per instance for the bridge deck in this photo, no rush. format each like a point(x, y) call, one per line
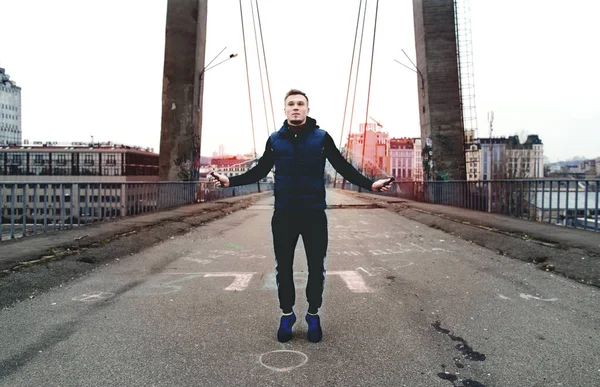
point(405, 304)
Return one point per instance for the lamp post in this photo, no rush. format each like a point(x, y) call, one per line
point(205, 69)
point(416, 70)
point(491, 175)
point(195, 158)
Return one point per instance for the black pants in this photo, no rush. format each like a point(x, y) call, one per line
point(287, 227)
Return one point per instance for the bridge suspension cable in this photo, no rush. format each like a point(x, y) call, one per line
point(256, 19)
point(369, 90)
point(266, 68)
point(262, 84)
point(248, 78)
point(362, 34)
point(348, 90)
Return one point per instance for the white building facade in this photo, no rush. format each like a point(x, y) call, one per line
point(505, 158)
point(493, 153)
point(406, 161)
point(10, 111)
point(74, 180)
point(525, 161)
point(402, 158)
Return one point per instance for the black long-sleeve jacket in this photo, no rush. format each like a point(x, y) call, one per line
point(266, 162)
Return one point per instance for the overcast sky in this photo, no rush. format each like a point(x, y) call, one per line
point(94, 68)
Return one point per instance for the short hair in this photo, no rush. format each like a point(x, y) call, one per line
point(295, 92)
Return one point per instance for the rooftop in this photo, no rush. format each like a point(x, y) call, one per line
point(55, 145)
point(5, 79)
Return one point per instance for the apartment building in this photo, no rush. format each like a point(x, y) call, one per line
point(505, 158)
point(473, 157)
point(402, 160)
point(233, 166)
point(376, 149)
point(74, 179)
point(10, 111)
point(493, 158)
point(418, 172)
point(524, 161)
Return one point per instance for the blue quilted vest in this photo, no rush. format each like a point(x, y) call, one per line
point(299, 169)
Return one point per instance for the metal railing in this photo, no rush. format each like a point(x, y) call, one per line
point(33, 208)
point(564, 202)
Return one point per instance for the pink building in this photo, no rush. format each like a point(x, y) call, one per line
point(376, 149)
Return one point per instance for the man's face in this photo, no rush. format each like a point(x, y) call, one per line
point(296, 109)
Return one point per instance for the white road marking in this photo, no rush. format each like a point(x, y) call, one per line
point(530, 297)
point(91, 297)
point(202, 261)
point(349, 253)
point(416, 246)
point(243, 254)
point(240, 282)
point(369, 274)
point(284, 369)
point(353, 280)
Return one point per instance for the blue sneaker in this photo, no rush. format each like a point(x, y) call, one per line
point(285, 327)
point(314, 334)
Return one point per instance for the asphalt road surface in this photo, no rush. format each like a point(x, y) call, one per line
point(404, 305)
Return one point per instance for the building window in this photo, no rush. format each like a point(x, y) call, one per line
point(88, 159)
point(112, 164)
point(61, 164)
point(88, 164)
point(60, 159)
point(141, 165)
point(16, 164)
point(39, 164)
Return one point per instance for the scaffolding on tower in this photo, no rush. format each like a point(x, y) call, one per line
point(464, 48)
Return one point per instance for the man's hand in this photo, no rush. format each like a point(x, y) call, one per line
point(220, 180)
point(382, 185)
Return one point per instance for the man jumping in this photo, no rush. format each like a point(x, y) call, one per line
point(298, 151)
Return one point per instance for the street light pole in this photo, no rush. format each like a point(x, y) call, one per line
point(195, 159)
point(416, 70)
point(491, 175)
point(205, 69)
point(491, 121)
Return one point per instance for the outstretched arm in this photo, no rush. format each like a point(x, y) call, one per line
point(342, 166)
point(260, 170)
point(348, 171)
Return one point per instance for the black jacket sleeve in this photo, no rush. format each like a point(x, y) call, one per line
point(265, 163)
point(342, 166)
